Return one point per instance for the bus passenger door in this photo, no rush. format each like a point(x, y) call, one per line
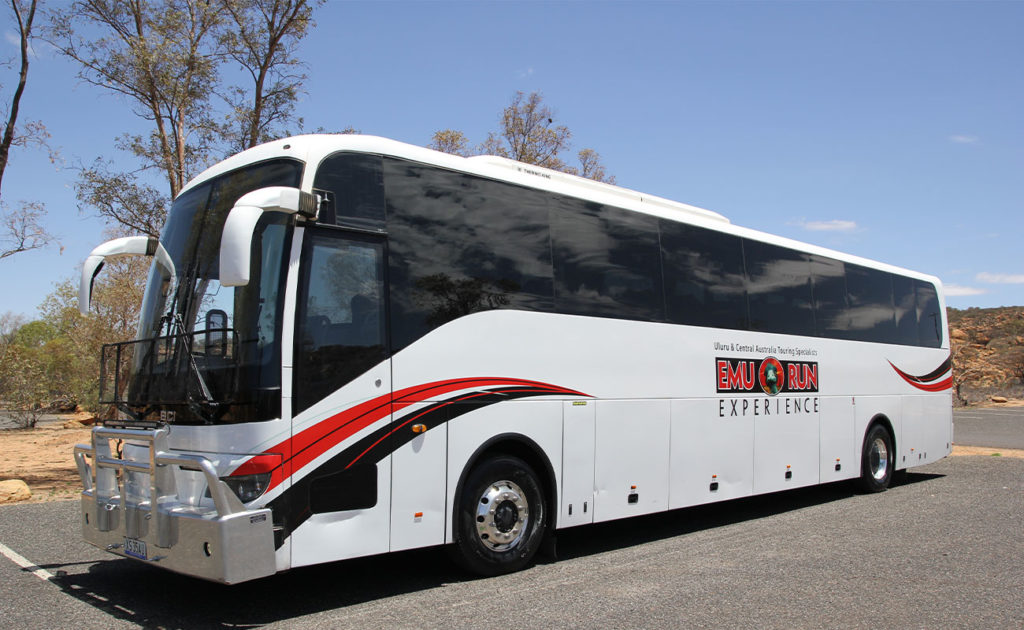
point(341, 399)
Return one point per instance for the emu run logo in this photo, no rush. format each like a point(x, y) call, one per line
point(769, 375)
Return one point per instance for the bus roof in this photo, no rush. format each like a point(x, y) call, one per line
point(314, 148)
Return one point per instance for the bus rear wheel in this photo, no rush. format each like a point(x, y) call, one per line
point(501, 517)
point(878, 460)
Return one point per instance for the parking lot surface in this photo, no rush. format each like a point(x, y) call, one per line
point(941, 550)
point(995, 428)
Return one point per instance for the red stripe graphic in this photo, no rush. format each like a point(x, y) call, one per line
point(313, 442)
point(927, 386)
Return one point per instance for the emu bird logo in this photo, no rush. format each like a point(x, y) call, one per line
point(771, 376)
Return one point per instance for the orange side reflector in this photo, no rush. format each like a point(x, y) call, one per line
point(418, 515)
point(419, 428)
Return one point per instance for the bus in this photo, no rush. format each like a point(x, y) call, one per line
point(350, 346)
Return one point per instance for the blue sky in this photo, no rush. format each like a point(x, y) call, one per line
point(889, 130)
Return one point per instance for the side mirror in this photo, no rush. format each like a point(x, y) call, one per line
point(236, 240)
point(118, 248)
point(216, 339)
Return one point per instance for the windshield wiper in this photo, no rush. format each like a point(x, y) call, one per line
point(203, 387)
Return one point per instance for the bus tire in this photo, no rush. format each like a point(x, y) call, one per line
point(878, 460)
point(500, 517)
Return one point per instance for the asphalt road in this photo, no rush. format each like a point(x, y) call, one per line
point(997, 428)
point(941, 550)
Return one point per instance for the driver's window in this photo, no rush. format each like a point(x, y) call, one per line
point(340, 323)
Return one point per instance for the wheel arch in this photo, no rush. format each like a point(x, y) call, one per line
point(516, 445)
point(881, 419)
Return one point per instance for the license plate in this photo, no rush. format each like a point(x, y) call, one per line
point(135, 548)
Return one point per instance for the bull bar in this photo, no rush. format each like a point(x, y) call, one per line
point(131, 507)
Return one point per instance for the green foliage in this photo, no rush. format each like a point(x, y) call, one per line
point(54, 361)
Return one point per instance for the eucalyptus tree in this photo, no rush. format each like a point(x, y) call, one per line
point(21, 229)
point(527, 132)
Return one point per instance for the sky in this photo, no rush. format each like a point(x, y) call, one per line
point(888, 130)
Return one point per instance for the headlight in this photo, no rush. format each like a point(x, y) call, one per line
point(248, 487)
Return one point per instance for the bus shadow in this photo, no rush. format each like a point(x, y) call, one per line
point(150, 597)
point(653, 527)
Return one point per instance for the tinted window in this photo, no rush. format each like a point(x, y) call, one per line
point(871, 312)
point(906, 310)
point(831, 316)
point(460, 244)
point(355, 185)
point(606, 262)
point(778, 289)
point(340, 320)
point(929, 315)
point(704, 280)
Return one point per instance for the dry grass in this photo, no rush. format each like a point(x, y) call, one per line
point(984, 450)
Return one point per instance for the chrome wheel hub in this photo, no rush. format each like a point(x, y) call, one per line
point(502, 514)
point(878, 459)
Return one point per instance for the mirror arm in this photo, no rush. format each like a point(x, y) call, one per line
point(118, 248)
point(236, 241)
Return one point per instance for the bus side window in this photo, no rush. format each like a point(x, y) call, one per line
point(778, 289)
point(929, 317)
point(606, 262)
point(869, 295)
point(906, 310)
point(460, 244)
point(831, 316)
point(704, 277)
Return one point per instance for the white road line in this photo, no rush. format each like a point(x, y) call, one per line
point(24, 563)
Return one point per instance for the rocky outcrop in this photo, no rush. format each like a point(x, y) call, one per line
point(986, 346)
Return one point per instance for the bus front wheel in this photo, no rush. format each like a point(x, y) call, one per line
point(501, 517)
point(878, 460)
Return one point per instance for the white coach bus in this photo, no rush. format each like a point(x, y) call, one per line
point(350, 346)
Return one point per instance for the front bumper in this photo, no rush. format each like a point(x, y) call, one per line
point(130, 507)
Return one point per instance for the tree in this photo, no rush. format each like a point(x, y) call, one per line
point(450, 141)
point(25, 17)
point(51, 362)
point(592, 168)
point(22, 228)
point(263, 38)
point(22, 231)
point(527, 133)
point(162, 56)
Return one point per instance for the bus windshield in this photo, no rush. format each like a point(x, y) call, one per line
point(206, 353)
